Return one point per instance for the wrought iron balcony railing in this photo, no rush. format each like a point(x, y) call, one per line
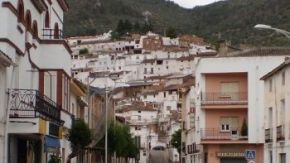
point(216, 134)
point(52, 34)
point(26, 103)
point(268, 135)
point(280, 133)
point(224, 97)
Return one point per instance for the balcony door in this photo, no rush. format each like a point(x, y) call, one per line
point(230, 90)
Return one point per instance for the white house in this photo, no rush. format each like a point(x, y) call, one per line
point(276, 107)
point(229, 104)
point(36, 82)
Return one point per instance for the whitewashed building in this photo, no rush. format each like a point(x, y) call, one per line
point(37, 106)
point(276, 108)
point(230, 105)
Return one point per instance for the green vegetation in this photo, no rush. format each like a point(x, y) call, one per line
point(84, 51)
point(79, 137)
point(230, 20)
point(176, 140)
point(125, 27)
point(120, 141)
point(54, 159)
point(244, 130)
point(171, 32)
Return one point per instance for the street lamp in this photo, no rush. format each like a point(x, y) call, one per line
point(268, 27)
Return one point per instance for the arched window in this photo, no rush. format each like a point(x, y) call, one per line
point(28, 20)
point(56, 31)
point(20, 10)
point(34, 29)
point(47, 20)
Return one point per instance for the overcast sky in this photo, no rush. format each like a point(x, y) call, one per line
point(192, 3)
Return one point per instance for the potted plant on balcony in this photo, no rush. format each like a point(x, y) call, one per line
point(54, 159)
point(244, 129)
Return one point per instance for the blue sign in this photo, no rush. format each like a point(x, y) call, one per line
point(250, 154)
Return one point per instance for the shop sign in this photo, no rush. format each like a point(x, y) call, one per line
point(231, 154)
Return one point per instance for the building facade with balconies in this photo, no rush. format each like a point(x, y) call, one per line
point(277, 123)
point(230, 105)
point(35, 73)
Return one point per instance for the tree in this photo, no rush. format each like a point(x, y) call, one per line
point(176, 140)
point(79, 137)
point(244, 130)
point(120, 28)
point(127, 26)
point(171, 32)
point(120, 141)
point(147, 27)
point(136, 27)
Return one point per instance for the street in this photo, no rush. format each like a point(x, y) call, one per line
point(159, 156)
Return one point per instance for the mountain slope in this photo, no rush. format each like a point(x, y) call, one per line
point(232, 20)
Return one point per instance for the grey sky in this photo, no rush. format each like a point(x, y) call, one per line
point(192, 3)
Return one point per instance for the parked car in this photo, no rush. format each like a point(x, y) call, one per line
point(159, 148)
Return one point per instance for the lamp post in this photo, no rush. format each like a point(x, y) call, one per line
point(268, 27)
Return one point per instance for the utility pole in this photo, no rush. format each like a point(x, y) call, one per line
point(106, 127)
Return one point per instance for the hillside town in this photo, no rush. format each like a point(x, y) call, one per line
point(138, 98)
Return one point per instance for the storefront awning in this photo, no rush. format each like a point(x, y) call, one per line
point(51, 142)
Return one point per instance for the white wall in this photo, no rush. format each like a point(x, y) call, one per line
point(256, 67)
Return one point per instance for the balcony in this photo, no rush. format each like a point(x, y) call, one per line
point(52, 34)
point(26, 103)
point(280, 133)
point(221, 98)
point(212, 134)
point(268, 135)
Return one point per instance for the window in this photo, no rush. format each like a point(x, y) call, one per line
point(47, 20)
point(271, 156)
point(229, 123)
point(20, 10)
point(56, 31)
point(283, 78)
point(270, 85)
point(282, 112)
point(138, 141)
point(145, 70)
point(230, 89)
point(35, 29)
point(164, 94)
point(159, 62)
point(282, 157)
point(73, 108)
point(139, 118)
point(145, 96)
point(152, 70)
point(270, 118)
point(139, 111)
point(168, 108)
point(28, 20)
point(137, 128)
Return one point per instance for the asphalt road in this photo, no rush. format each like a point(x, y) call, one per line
point(159, 156)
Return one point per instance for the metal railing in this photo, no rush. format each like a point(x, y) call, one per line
point(27, 103)
point(268, 135)
point(216, 134)
point(280, 133)
point(52, 34)
point(224, 98)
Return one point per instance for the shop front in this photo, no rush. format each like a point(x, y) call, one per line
point(234, 153)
